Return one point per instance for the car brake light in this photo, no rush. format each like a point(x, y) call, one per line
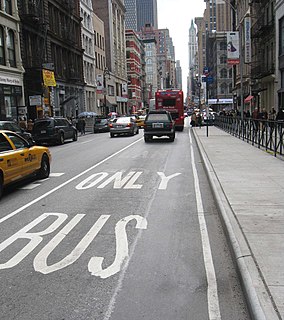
point(128, 124)
point(110, 125)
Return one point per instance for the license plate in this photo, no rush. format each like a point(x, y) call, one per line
point(158, 125)
point(43, 131)
point(119, 126)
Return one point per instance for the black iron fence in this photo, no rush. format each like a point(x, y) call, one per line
point(267, 134)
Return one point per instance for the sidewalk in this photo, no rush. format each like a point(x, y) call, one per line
point(248, 185)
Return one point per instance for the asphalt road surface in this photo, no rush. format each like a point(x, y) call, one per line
point(122, 230)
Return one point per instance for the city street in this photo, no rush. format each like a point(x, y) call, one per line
point(122, 230)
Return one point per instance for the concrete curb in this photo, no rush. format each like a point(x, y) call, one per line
point(246, 265)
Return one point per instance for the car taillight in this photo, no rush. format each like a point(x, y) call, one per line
point(171, 125)
point(110, 125)
point(129, 124)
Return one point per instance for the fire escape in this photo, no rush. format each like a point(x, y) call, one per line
point(262, 34)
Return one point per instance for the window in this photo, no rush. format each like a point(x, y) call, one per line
point(8, 6)
point(223, 73)
point(2, 51)
point(4, 144)
point(11, 48)
point(223, 59)
point(223, 88)
point(281, 36)
point(223, 45)
point(18, 142)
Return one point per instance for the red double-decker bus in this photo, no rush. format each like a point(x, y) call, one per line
point(172, 101)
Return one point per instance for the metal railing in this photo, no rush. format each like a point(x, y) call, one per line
point(266, 134)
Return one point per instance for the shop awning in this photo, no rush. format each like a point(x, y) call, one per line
point(248, 99)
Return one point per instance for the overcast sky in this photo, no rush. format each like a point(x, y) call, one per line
point(176, 16)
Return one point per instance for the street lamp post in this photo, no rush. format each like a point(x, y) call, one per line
point(105, 74)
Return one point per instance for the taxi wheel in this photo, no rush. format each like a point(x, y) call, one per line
point(1, 185)
point(44, 170)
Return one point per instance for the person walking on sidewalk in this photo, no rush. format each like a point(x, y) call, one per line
point(199, 119)
point(81, 125)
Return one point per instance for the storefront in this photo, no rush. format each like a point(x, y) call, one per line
point(11, 97)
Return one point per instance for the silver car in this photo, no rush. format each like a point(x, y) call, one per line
point(123, 125)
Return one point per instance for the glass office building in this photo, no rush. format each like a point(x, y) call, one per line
point(139, 13)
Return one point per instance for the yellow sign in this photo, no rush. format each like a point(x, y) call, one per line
point(48, 78)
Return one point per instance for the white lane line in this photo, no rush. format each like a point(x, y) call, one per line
point(56, 174)
point(12, 214)
point(30, 186)
point(87, 141)
point(212, 292)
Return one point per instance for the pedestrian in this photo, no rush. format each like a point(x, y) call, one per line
point(199, 119)
point(280, 115)
point(272, 114)
point(248, 114)
point(193, 119)
point(81, 124)
point(30, 125)
point(255, 113)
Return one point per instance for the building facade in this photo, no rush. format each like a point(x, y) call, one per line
point(279, 59)
point(88, 38)
point(134, 52)
point(192, 63)
point(12, 103)
point(262, 72)
point(147, 13)
point(113, 15)
point(52, 56)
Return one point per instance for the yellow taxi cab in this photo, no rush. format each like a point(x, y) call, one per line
point(140, 121)
point(20, 159)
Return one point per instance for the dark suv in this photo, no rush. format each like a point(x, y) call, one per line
point(54, 130)
point(159, 123)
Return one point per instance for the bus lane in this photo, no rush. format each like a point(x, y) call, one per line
point(68, 222)
point(120, 240)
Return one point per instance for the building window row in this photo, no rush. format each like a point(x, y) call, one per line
point(99, 40)
point(7, 47)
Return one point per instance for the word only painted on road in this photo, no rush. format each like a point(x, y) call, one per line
point(95, 265)
point(129, 181)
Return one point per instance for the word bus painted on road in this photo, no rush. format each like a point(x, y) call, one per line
point(172, 101)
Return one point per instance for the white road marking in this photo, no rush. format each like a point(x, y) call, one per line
point(40, 261)
point(56, 174)
point(27, 205)
point(30, 186)
point(164, 183)
point(87, 141)
point(122, 254)
point(33, 185)
point(212, 292)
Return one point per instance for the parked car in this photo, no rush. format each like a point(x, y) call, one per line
point(159, 123)
point(101, 125)
point(13, 126)
point(123, 125)
point(54, 130)
point(20, 159)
